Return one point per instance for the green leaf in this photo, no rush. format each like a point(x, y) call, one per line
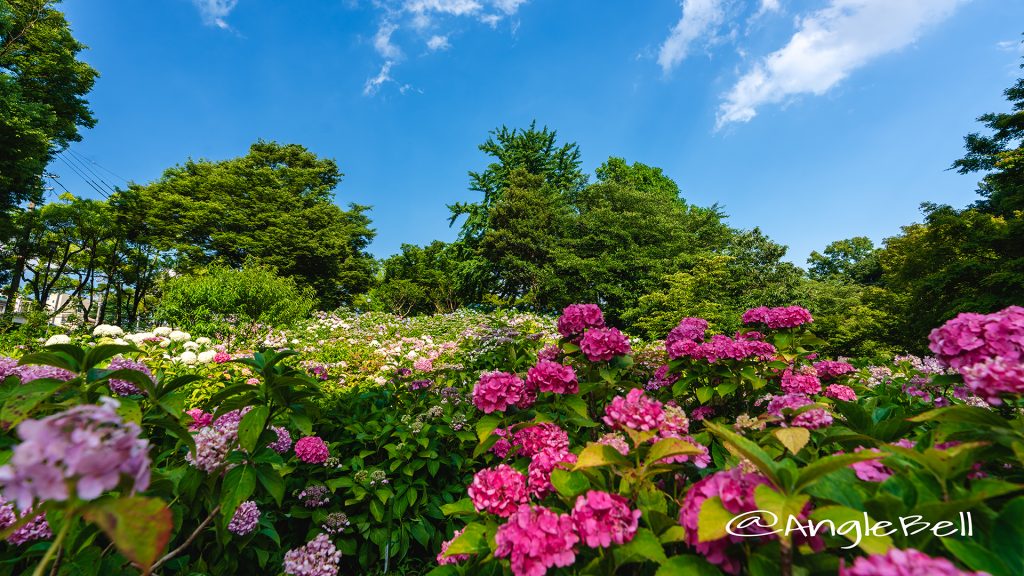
point(271, 481)
point(98, 354)
point(599, 455)
point(139, 527)
point(712, 520)
point(794, 439)
point(26, 398)
point(302, 422)
point(643, 546)
point(486, 425)
point(830, 464)
point(747, 449)
point(473, 540)
point(668, 447)
point(977, 557)
point(779, 508)
point(129, 410)
point(705, 393)
point(854, 520)
point(577, 405)
point(963, 415)
point(251, 426)
point(239, 484)
point(464, 506)
point(569, 483)
point(675, 533)
point(58, 359)
point(687, 566)
point(139, 379)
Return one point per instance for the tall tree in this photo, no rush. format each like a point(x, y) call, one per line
point(851, 260)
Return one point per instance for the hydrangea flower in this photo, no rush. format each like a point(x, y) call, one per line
point(319, 557)
point(541, 466)
point(994, 377)
point(124, 387)
point(442, 559)
point(830, 369)
point(796, 383)
point(615, 440)
point(312, 450)
point(535, 539)
point(775, 318)
point(246, 518)
point(661, 379)
point(549, 376)
point(36, 529)
point(200, 419)
point(840, 392)
point(57, 339)
point(635, 411)
point(498, 490)
point(576, 318)
point(89, 446)
point(284, 440)
point(212, 448)
point(688, 329)
point(497, 391)
point(970, 338)
point(603, 519)
point(29, 372)
point(533, 439)
point(107, 331)
point(335, 523)
point(603, 344)
point(909, 562)
point(315, 496)
point(812, 419)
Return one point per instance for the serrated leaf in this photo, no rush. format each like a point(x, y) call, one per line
point(139, 527)
point(464, 506)
point(27, 398)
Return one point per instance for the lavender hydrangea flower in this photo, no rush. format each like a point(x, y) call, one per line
point(283, 444)
point(36, 529)
point(319, 557)
point(335, 523)
point(246, 518)
point(315, 496)
point(124, 387)
point(89, 447)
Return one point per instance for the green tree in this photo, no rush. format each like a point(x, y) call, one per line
point(852, 260)
point(274, 205)
point(421, 280)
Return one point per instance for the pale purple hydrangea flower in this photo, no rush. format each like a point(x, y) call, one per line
point(283, 444)
point(124, 387)
point(335, 523)
point(319, 557)
point(315, 496)
point(246, 518)
point(36, 529)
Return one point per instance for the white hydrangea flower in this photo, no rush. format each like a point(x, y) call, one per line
point(188, 358)
point(162, 330)
point(207, 356)
point(165, 342)
point(120, 341)
point(107, 330)
point(140, 337)
point(58, 339)
point(179, 336)
point(203, 341)
point(191, 346)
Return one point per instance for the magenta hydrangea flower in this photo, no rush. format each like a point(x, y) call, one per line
point(840, 392)
point(871, 470)
point(615, 440)
point(736, 490)
point(972, 338)
point(830, 369)
point(907, 562)
point(661, 379)
point(796, 383)
point(246, 518)
point(635, 411)
point(312, 450)
point(994, 377)
point(603, 519)
point(785, 406)
point(89, 447)
point(36, 529)
point(124, 387)
point(533, 439)
point(721, 347)
point(498, 490)
point(541, 466)
point(284, 440)
point(497, 391)
point(702, 413)
point(221, 357)
point(603, 344)
point(535, 539)
point(549, 352)
point(200, 419)
point(576, 318)
point(443, 558)
point(775, 318)
point(688, 329)
point(319, 557)
point(548, 376)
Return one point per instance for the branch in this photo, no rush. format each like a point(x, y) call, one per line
point(187, 542)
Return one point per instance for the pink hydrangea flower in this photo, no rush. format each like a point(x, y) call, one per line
point(498, 490)
point(319, 557)
point(212, 448)
point(443, 559)
point(497, 391)
point(721, 347)
point(871, 470)
point(423, 364)
point(541, 466)
point(907, 562)
point(246, 518)
point(549, 352)
point(88, 447)
point(702, 413)
point(635, 411)
point(683, 339)
point(603, 344)
point(221, 357)
point(533, 439)
point(994, 377)
point(603, 519)
point(312, 450)
point(784, 407)
point(972, 338)
point(576, 318)
point(833, 369)
point(661, 379)
point(536, 539)
point(840, 392)
point(775, 318)
point(676, 421)
point(200, 419)
point(796, 383)
point(548, 376)
point(615, 440)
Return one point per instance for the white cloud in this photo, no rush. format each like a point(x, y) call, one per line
point(1011, 46)
point(509, 6)
point(828, 45)
point(700, 19)
point(382, 41)
point(438, 43)
point(374, 84)
point(453, 7)
point(214, 12)
point(769, 6)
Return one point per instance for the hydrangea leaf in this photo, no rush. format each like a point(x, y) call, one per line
point(139, 527)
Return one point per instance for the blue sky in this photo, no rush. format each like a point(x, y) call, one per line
point(813, 119)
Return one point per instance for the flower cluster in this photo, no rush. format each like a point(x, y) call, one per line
point(315, 496)
point(284, 440)
point(840, 392)
point(35, 529)
point(212, 448)
point(615, 440)
point(498, 490)
point(319, 557)
point(29, 372)
point(661, 379)
point(797, 383)
point(443, 558)
point(603, 344)
point(534, 439)
point(541, 466)
point(635, 411)
point(719, 347)
point(88, 446)
point(246, 518)
point(335, 523)
point(907, 562)
point(549, 376)
point(987, 349)
point(775, 318)
point(312, 450)
point(124, 387)
point(535, 539)
point(603, 519)
point(577, 318)
point(787, 407)
point(497, 391)
point(831, 369)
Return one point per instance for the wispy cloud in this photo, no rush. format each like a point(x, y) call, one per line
point(438, 43)
point(215, 12)
point(374, 83)
point(1011, 46)
point(699, 20)
point(382, 41)
point(828, 46)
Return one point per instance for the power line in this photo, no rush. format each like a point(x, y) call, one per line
point(90, 171)
point(79, 173)
point(100, 166)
